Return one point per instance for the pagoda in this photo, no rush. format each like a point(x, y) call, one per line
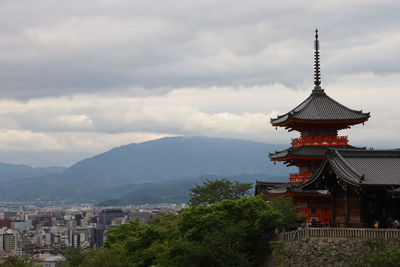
point(318, 120)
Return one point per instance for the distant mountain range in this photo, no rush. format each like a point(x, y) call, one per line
point(160, 170)
point(13, 171)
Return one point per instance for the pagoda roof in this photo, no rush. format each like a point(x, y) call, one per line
point(304, 151)
point(285, 188)
point(270, 184)
point(319, 107)
point(362, 167)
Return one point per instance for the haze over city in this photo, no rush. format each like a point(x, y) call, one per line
point(79, 78)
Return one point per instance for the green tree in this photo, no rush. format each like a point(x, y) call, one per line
point(18, 262)
point(74, 256)
point(385, 258)
point(106, 258)
point(228, 233)
point(213, 191)
point(287, 208)
point(138, 245)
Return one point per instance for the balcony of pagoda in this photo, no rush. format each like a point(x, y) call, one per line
point(300, 177)
point(320, 141)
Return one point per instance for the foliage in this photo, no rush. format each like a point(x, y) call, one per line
point(222, 227)
point(139, 245)
point(229, 233)
point(213, 191)
point(18, 262)
point(105, 258)
point(285, 206)
point(384, 258)
point(278, 249)
point(225, 232)
point(74, 256)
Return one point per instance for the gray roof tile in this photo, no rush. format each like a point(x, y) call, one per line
point(320, 107)
point(368, 167)
point(362, 167)
point(305, 151)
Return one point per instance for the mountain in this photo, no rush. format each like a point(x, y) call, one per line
point(176, 157)
point(13, 171)
point(156, 168)
point(173, 191)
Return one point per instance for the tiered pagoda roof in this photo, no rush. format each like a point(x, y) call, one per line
point(335, 182)
point(304, 152)
point(320, 108)
point(318, 119)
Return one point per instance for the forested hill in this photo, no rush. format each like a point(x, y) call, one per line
point(177, 157)
point(153, 170)
point(17, 171)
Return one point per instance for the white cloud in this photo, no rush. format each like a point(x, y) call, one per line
point(97, 122)
point(27, 140)
point(91, 75)
point(60, 48)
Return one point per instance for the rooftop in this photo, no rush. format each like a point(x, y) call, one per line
point(304, 151)
point(364, 167)
point(319, 107)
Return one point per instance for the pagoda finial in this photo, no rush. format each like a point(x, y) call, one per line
point(317, 74)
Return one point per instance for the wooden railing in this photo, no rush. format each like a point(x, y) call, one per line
point(300, 177)
point(360, 233)
point(324, 140)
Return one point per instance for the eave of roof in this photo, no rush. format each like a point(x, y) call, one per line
point(299, 194)
point(304, 152)
point(270, 184)
point(290, 189)
point(362, 167)
point(319, 107)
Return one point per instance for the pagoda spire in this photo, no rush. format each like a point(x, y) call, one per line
point(317, 74)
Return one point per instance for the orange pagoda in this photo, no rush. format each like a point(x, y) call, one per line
point(318, 120)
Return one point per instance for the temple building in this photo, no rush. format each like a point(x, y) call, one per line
point(337, 184)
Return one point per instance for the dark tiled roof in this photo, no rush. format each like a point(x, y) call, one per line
point(363, 167)
point(375, 167)
point(272, 186)
point(304, 151)
point(320, 107)
point(282, 188)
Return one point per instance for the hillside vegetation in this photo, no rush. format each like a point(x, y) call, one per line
point(162, 170)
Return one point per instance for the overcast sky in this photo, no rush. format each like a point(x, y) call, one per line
point(80, 77)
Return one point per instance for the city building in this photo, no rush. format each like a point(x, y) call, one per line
point(10, 214)
point(44, 220)
point(107, 215)
point(38, 230)
point(9, 242)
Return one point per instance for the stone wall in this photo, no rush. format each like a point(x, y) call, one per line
point(326, 251)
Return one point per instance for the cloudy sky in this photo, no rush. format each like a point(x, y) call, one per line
point(80, 77)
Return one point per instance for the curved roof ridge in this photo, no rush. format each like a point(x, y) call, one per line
point(345, 165)
point(361, 167)
point(279, 151)
point(308, 151)
point(369, 153)
point(302, 105)
point(315, 175)
point(320, 107)
point(293, 110)
point(358, 111)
